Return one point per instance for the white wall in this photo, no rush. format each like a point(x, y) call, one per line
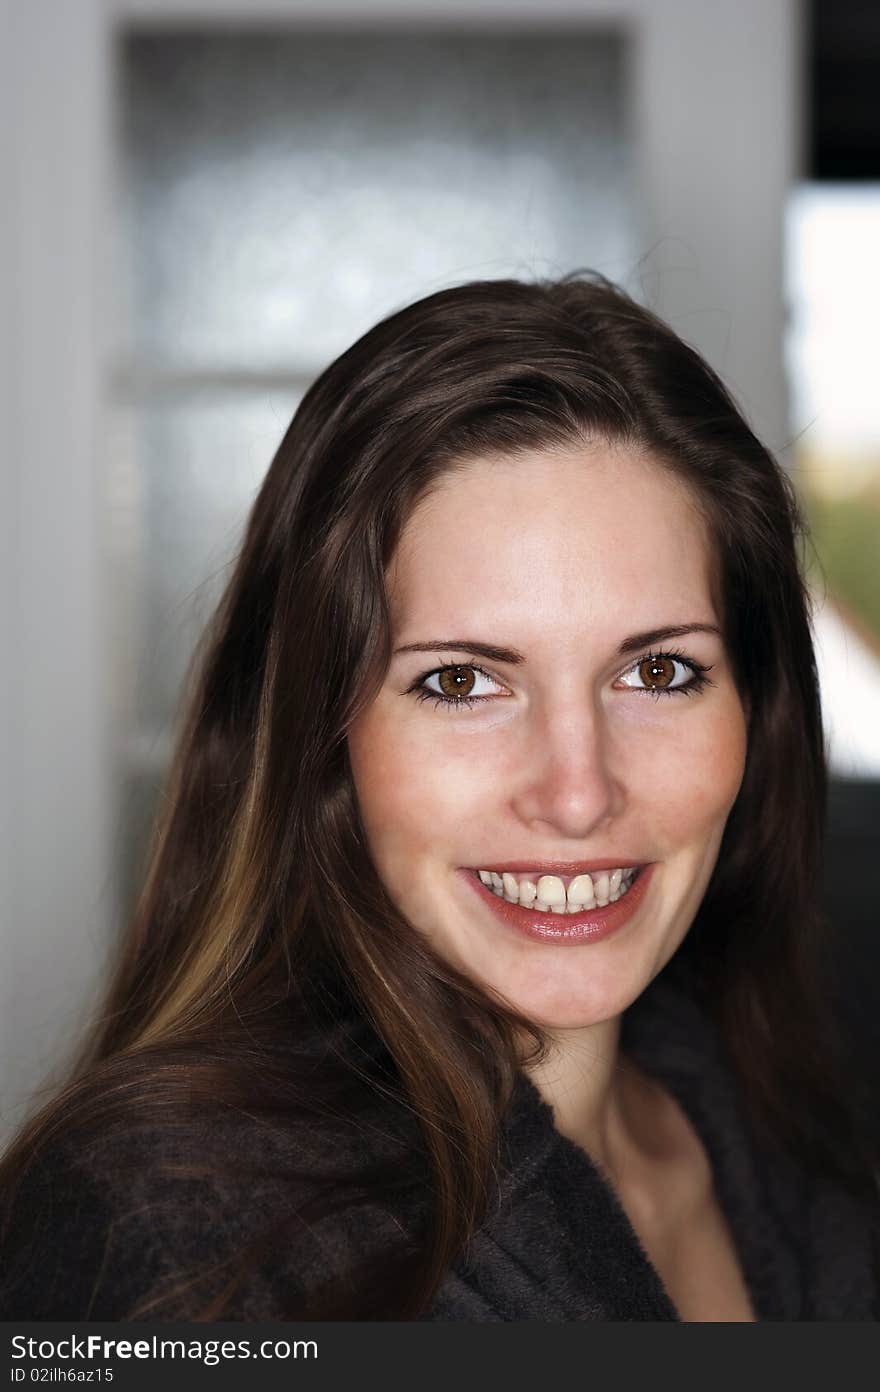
point(55, 789)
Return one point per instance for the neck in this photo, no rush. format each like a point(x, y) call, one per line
point(596, 1093)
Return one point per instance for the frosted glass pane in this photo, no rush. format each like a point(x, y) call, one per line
point(194, 466)
point(282, 191)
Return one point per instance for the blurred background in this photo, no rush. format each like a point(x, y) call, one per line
point(204, 203)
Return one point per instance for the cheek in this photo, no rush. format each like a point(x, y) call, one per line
point(687, 771)
point(710, 768)
point(411, 797)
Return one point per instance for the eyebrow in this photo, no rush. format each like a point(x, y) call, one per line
point(493, 653)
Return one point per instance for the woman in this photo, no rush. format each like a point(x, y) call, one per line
point(477, 973)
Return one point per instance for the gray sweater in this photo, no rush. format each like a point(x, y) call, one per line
point(93, 1230)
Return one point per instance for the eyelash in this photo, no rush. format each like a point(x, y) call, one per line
point(456, 703)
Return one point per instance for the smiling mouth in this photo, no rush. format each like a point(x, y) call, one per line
point(561, 894)
point(565, 923)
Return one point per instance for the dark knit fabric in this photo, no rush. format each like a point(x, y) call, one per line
point(560, 1246)
point(93, 1231)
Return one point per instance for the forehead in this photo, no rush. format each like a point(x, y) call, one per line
point(590, 538)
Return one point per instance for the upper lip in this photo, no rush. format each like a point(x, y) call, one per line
point(559, 867)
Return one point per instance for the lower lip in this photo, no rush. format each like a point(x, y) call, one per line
point(589, 926)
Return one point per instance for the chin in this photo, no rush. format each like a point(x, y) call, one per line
point(555, 1002)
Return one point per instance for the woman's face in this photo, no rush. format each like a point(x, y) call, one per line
point(564, 755)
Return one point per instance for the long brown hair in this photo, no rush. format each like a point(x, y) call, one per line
point(263, 918)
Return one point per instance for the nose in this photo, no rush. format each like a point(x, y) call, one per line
point(570, 784)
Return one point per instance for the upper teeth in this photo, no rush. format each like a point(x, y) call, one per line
point(549, 894)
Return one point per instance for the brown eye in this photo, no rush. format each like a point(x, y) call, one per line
point(457, 681)
point(656, 674)
point(659, 671)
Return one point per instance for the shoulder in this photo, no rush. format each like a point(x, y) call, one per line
point(157, 1220)
point(62, 1246)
